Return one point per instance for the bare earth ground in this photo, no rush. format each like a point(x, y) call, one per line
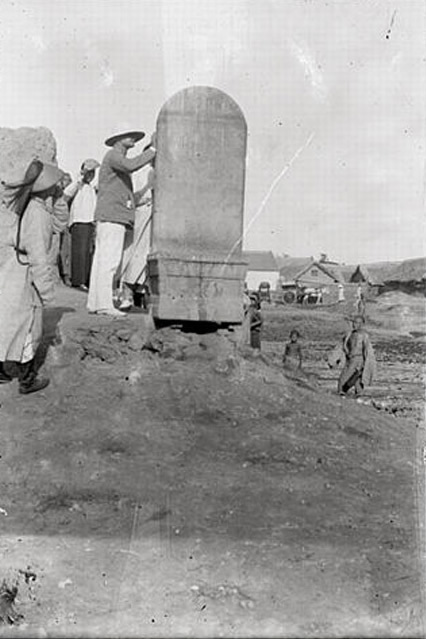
point(188, 490)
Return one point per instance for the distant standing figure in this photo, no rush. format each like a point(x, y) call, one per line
point(360, 365)
point(292, 357)
point(60, 217)
point(255, 321)
point(341, 293)
point(245, 328)
point(359, 302)
point(82, 194)
point(115, 211)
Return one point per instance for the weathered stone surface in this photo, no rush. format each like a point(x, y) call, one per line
point(19, 146)
point(196, 270)
point(197, 290)
point(200, 172)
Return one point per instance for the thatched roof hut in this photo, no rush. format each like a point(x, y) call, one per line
point(363, 274)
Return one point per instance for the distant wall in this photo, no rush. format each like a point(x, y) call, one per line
point(254, 278)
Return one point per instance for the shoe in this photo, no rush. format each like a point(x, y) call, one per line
point(125, 305)
point(4, 377)
point(37, 384)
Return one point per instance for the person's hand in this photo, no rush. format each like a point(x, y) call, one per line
point(152, 143)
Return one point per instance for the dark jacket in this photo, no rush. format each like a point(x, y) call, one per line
point(116, 200)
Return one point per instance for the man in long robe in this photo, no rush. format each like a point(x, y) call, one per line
point(360, 366)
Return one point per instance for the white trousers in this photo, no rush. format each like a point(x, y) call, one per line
point(106, 262)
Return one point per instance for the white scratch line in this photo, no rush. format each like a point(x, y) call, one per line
point(117, 597)
point(274, 183)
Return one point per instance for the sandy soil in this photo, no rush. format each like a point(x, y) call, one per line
point(189, 489)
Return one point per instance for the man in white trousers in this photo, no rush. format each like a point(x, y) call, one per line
point(115, 212)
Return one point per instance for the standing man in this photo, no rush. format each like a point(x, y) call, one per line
point(132, 272)
point(115, 212)
point(60, 219)
point(359, 301)
point(360, 364)
point(82, 195)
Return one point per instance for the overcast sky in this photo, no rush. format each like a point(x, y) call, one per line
point(336, 89)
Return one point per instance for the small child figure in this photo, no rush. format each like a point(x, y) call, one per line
point(255, 321)
point(292, 357)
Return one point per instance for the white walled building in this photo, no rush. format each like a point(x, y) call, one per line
point(262, 267)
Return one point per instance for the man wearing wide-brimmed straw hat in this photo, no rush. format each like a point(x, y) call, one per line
point(26, 277)
point(115, 212)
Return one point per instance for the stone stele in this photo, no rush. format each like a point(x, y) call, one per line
point(18, 147)
point(195, 269)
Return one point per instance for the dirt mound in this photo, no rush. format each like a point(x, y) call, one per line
point(110, 342)
point(205, 492)
point(400, 312)
point(395, 298)
point(315, 324)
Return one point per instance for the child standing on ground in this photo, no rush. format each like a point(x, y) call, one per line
point(255, 321)
point(292, 357)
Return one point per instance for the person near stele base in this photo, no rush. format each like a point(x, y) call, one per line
point(115, 211)
point(26, 274)
point(255, 321)
point(82, 198)
point(132, 275)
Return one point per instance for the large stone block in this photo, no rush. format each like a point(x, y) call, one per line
point(19, 146)
point(197, 290)
point(196, 268)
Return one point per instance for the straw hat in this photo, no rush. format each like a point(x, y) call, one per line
point(136, 135)
point(49, 176)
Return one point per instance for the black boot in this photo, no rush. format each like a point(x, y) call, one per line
point(4, 377)
point(28, 380)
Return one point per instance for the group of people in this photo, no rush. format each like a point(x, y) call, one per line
point(45, 212)
point(356, 351)
point(96, 248)
point(37, 213)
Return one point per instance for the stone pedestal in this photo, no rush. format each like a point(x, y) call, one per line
point(196, 290)
point(195, 269)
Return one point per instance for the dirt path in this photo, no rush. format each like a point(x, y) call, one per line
point(200, 493)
